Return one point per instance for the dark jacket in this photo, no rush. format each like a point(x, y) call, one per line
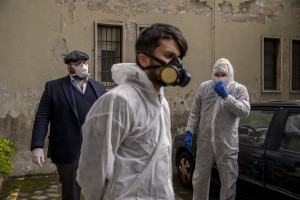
point(57, 106)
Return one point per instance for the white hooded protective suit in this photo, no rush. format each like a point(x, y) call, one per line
point(215, 122)
point(126, 149)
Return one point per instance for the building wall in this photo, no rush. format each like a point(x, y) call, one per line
point(36, 35)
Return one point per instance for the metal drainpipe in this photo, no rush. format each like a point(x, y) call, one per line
point(213, 32)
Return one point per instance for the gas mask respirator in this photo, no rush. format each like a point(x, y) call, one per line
point(172, 73)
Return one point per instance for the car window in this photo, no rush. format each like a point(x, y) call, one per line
point(290, 140)
point(253, 130)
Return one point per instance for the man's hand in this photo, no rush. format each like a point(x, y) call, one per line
point(220, 89)
point(38, 156)
point(188, 140)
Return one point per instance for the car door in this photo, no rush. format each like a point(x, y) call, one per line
point(282, 171)
point(253, 134)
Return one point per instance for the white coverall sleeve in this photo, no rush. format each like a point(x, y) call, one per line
point(195, 115)
point(106, 125)
point(239, 104)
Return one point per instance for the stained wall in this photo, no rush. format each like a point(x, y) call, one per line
point(36, 35)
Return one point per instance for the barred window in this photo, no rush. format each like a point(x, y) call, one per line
point(272, 64)
point(109, 46)
point(296, 65)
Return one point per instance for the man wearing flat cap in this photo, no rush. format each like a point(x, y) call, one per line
point(64, 104)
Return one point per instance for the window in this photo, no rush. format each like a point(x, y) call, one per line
point(295, 65)
point(290, 140)
point(253, 130)
point(107, 60)
point(271, 64)
point(109, 52)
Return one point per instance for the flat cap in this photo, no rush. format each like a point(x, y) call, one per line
point(75, 56)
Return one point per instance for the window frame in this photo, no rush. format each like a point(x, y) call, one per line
point(266, 134)
point(108, 24)
point(278, 67)
point(138, 27)
point(291, 66)
point(283, 130)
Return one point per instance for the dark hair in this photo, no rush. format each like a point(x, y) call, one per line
point(148, 39)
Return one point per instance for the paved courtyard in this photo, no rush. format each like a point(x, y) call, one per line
point(48, 187)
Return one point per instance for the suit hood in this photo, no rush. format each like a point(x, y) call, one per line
point(223, 65)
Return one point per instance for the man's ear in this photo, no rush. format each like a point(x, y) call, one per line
point(143, 60)
point(69, 68)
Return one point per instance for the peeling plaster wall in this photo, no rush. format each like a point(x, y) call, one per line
point(251, 11)
point(180, 103)
point(36, 35)
point(136, 7)
point(295, 8)
point(246, 22)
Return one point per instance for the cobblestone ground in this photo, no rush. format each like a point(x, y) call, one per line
point(181, 193)
point(48, 187)
point(32, 187)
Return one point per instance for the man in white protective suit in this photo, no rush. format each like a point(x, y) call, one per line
point(214, 116)
point(126, 150)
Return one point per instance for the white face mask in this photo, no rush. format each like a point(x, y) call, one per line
point(224, 80)
point(82, 70)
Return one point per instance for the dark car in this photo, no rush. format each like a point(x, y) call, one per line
point(269, 156)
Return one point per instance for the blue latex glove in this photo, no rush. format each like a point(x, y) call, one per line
point(221, 90)
point(188, 140)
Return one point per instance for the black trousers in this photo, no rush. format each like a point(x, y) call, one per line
point(67, 177)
